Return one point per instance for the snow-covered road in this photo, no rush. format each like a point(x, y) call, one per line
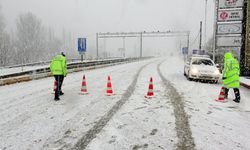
point(30, 119)
point(214, 125)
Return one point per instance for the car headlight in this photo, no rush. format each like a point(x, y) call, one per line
point(194, 71)
point(217, 72)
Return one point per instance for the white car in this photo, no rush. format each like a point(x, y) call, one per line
point(203, 68)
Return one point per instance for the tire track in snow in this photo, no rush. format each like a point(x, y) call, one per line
point(91, 134)
point(184, 134)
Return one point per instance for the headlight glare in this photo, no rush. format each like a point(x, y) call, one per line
point(217, 72)
point(194, 70)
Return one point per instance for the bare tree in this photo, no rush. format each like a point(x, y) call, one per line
point(30, 38)
point(53, 44)
point(32, 42)
point(68, 45)
point(4, 43)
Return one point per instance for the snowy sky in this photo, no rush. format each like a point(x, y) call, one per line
point(86, 17)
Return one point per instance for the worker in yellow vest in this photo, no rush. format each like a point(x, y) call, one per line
point(58, 67)
point(231, 75)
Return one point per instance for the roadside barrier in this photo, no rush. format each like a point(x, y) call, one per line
point(72, 67)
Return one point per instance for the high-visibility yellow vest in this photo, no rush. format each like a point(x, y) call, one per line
point(58, 65)
point(231, 72)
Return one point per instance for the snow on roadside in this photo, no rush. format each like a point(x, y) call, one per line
point(6, 71)
point(245, 80)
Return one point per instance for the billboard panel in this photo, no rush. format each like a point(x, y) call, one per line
point(228, 41)
point(222, 50)
point(232, 28)
point(230, 15)
point(230, 3)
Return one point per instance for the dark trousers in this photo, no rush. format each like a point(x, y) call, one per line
point(59, 82)
point(236, 93)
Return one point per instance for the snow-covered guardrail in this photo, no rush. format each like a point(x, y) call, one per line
point(37, 63)
point(72, 67)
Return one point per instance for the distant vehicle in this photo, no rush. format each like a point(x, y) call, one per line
point(201, 67)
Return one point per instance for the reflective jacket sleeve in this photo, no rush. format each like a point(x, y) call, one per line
point(64, 67)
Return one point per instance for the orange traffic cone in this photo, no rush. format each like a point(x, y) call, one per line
point(109, 90)
point(222, 95)
point(150, 89)
point(84, 86)
point(54, 89)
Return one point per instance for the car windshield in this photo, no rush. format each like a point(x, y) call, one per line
point(202, 62)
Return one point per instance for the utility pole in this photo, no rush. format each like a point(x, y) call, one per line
point(124, 47)
point(141, 45)
point(205, 26)
point(200, 35)
point(180, 46)
point(104, 48)
point(215, 27)
point(188, 36)
point(97, 46)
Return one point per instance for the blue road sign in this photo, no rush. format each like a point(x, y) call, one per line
point(81, 45)
point(184, 50)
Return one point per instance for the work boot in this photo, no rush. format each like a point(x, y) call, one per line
point(237, 95)
point(61, 93)
point(236, 100)
point(56, 98)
